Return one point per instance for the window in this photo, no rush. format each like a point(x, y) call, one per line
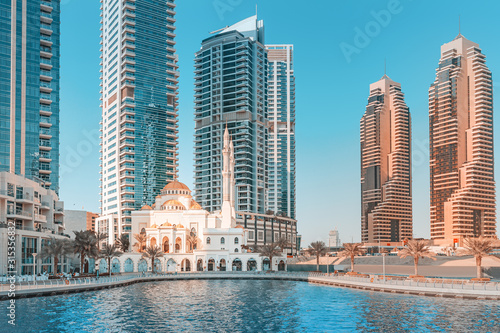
point(236, 240)
point(208, 240)
point(251, 234)
point(260, 235)
point(222, 240)
point(236, 250)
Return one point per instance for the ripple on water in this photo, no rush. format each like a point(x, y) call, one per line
point(250, 306)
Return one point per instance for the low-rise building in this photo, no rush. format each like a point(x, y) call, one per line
point(77, 220)
point(31, 214)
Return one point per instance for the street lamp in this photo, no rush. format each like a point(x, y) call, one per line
point(34, 263)
point(383, 265)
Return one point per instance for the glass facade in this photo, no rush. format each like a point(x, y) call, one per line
point(139, 105)
point(281, 121)
point(231, 90)
point(29, 89)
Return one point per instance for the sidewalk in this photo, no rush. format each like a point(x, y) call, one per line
point(424, 287)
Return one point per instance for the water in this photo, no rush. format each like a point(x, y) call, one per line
point(249, 306)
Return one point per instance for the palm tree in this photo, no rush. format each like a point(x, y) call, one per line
point(141, 241)
point(109, 252)
point(123, 243)
point(153, 252)
point(479, 248)
point(55, 248)
point(270, 251)
point(99, 237)
point(416, 248)
point(85, 245)
point(317, 249)
point(350, 251)
point(282, 243)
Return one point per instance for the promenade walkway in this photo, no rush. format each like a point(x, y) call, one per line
point(422, 287)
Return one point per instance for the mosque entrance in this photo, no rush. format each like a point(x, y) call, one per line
point(211, 264)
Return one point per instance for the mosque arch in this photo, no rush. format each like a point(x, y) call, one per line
point(237, 265)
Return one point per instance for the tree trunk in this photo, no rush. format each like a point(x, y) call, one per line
point(271, 263)
point(415, 260)
point(352, 263)
point(109, 266)
point(317, 263)
point(153, 264)
point(56, 263)
point(478, 268)
point(82, 260)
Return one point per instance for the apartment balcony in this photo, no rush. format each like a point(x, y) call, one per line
point(45, 133)
point(45, 88)
point(46, 29)
point(19, 214)
point(45, 75)
point(59, 211)
point(40, 218)
point(45, 17)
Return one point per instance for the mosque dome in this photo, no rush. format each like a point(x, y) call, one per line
point(176, 185)
point(172, 205)
point(146, 207)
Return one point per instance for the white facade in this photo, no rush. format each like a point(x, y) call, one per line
point(192, 238)
point(32, 214)
point(281, 123)
point(334, 239)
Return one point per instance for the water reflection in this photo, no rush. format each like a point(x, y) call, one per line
point(251, 306)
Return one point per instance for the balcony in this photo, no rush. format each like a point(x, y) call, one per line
point(40, 218)
point(19, 214)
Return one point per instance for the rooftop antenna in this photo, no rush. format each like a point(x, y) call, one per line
point(255, 9)
point(459, 33)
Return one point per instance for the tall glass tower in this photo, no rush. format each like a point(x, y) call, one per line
point(462, 185)
point(231, 90)
point(139, 106)
point(386, 197)
point(29, 89)
point(281, 143)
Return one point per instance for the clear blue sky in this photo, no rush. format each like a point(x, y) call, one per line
point(331, 92)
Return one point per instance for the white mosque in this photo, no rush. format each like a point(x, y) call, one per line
point(192, 238)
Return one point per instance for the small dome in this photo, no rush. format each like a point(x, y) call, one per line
point(239, 226)
point(173, 205)
point(166, 224)
point(195, 205)
point(153, 226)
point(146, 207)
point(176, 185)
point(179, 226)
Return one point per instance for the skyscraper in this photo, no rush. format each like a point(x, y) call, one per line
point(231, 88)
point(386, 199)
point(139, 106)
point(462, 186)
point(281, 120)
point(29, 93)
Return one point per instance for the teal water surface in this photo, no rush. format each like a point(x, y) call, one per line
point(249, 306)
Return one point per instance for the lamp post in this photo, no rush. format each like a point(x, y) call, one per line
point(383, 265)
point(34, 265)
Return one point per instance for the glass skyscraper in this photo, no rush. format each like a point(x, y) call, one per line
point(29, 89)
point(281, 121)
point(231, 90)
point(139, 106)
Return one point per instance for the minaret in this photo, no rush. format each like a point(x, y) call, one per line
point(227, 210)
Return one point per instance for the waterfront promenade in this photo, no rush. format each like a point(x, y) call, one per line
point(373, 283)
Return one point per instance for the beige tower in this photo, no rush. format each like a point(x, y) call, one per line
point(462, 186)
point(386, 201)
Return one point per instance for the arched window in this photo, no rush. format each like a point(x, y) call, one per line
point(222, 240)
point(236, 240)
point(236, 250)
point(143, 231)
point(208, 240)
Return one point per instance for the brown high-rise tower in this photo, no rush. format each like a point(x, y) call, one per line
point(462, 186)
point(386, 201)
